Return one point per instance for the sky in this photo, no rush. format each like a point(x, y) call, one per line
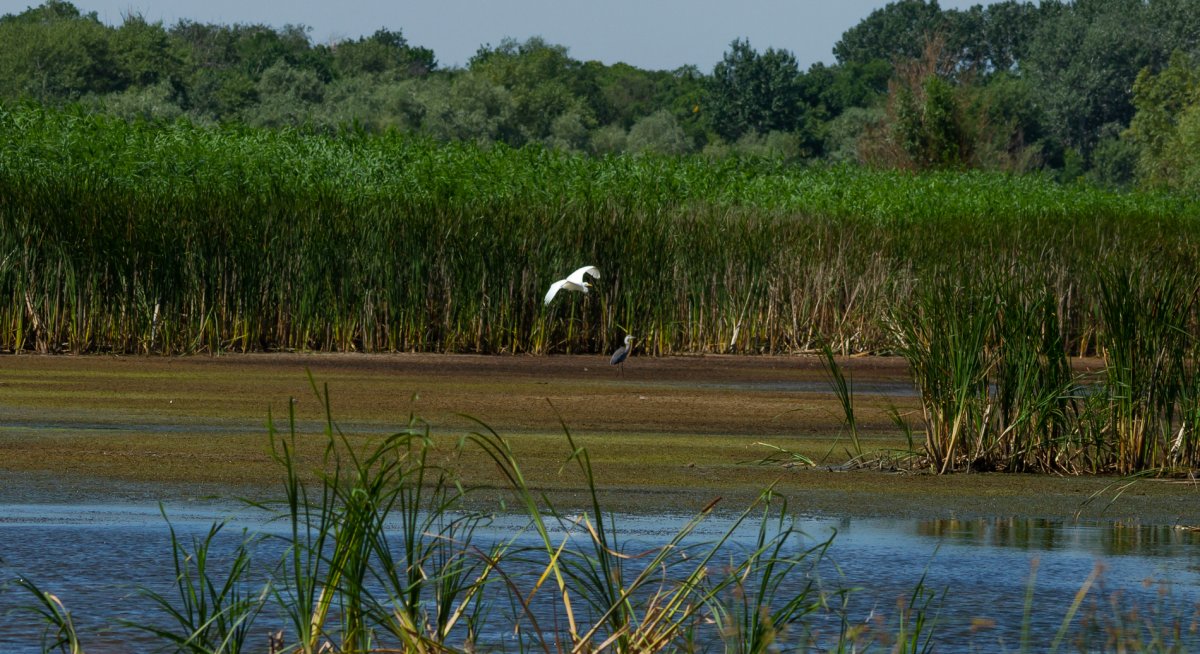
point(648, 34)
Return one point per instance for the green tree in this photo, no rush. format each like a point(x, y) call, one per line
point(53, 53)
point(752, 92)
point(569, 132)
point(156, 102)
point(369, 104)
point(994, 38)
point(224, 65)
point(1185, 148)
point(626, 93)
point(542, 83)
point(659, 133)
point(785, 147)
point(1176, 25)
point(1114, 159)
point(929, 124)
point(843, 133)
point(385, 53)
point(144, 52)
point(894, 31)
point(684, 91)
point(609, 139)
point(1015, 124)
point(219, 94)
point(256, 48)
point(287, 95)
point(1083, 61)
point(935, 119)
point(215, 84)
point(465, 107)
point(842, 86)
point(1166, 126)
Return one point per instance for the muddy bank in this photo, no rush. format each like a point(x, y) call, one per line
point(669, 433)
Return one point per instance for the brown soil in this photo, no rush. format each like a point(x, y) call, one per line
point(668, 433)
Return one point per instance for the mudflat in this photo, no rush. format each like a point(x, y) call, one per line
point(666, 433)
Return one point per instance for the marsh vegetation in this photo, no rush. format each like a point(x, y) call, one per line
point(174, 239)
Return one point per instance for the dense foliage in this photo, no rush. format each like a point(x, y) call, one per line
point(1032, 85)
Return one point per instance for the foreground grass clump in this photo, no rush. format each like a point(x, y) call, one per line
point(172, 238)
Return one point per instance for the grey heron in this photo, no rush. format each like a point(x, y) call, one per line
point(622, 353)
point(574, 282)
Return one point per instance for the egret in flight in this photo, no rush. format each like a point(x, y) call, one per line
point(574, 282)
point(622, 353)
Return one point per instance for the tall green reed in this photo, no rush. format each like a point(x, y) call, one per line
point(208, 614)
point(60, 633)
point(945, 339)
point(1148, 322)
point(657, 599)
point(383, 553)
point(753, 613)
point(844, 391)
point(383, 547)
point(998, 392)
point(1032, 385)
point(135, 237)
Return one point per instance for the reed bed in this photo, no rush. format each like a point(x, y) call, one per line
point(135, 237)
point(997, 390)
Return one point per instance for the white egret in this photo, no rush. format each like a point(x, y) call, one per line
point(622, 353)
point(574, 282)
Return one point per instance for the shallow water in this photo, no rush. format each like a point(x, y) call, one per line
point(96, 557)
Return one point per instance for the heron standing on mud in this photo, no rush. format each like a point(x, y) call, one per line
point(622, 353)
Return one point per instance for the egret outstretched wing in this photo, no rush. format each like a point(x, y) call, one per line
point(577, 276)
point(554, 288)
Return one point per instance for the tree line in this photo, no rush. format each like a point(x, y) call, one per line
point(1105, 90)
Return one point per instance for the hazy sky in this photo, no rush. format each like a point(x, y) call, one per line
point(649, 34)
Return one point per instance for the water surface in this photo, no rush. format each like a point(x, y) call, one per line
point(96, 557)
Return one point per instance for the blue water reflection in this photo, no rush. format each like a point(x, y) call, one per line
point(95, 558)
